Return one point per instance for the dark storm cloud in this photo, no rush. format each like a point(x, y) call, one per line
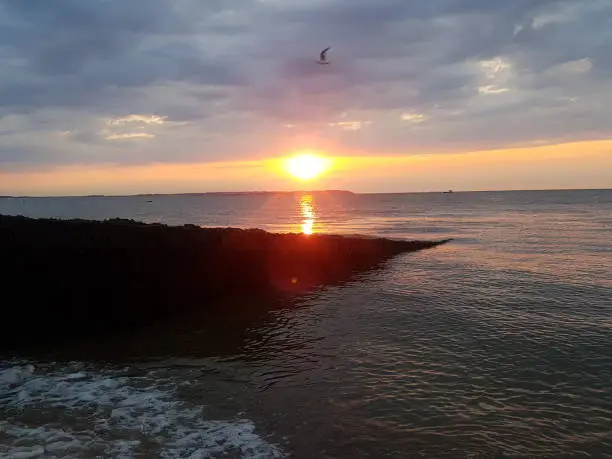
point(237, 71)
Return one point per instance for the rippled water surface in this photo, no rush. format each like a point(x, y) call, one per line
point(498, 344)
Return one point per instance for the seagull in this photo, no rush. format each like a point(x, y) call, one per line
point(323, 57)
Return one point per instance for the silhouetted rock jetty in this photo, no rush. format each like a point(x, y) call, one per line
point(67, 278)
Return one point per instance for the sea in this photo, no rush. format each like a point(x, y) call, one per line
point(495, 345)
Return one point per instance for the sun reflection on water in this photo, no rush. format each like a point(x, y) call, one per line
point(307, 210)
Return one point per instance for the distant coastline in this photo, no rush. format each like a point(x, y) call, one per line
point(258, 193)
point(246, 193)
point(204, 193)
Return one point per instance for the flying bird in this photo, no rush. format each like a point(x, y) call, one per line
point(323, 57)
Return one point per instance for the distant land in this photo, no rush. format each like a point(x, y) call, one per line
point(345, 192)
point(241, 193)
point(206, 193)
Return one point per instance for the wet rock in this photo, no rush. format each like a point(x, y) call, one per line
point(67, 278)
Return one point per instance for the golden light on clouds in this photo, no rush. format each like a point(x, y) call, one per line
point(122, 127)
point(129, 136)
point(491, 89)
point(497, 73)
point(137, 118)
point(493, 67)
point(350, 125)
point(413, 117)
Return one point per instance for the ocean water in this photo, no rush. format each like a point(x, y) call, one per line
point(498, 344)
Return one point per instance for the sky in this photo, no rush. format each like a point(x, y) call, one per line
point(145, 96)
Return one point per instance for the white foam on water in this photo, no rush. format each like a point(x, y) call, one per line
point(65, 413)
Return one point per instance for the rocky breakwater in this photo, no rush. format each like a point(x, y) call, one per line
point(67, 278)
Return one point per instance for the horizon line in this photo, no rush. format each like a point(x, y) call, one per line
point(255, 192)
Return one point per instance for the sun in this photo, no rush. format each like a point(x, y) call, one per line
point(307, 166)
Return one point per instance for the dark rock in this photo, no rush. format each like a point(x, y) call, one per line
point(67, 278)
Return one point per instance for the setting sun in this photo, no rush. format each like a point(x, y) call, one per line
point(307, 166)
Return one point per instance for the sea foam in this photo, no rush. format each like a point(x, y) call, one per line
point(59, 412)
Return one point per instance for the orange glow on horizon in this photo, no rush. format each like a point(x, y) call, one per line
point(568, 165)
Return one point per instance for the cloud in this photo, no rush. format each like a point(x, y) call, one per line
point(350, 125)
point(413, 117)
point(128, 136)
point(492, 89)
point(135, 118)
point(131, 81)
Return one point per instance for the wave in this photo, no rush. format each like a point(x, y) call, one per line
point(70, 412)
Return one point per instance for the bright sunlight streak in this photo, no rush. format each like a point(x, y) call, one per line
point(307, 166)
point(308, 212)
